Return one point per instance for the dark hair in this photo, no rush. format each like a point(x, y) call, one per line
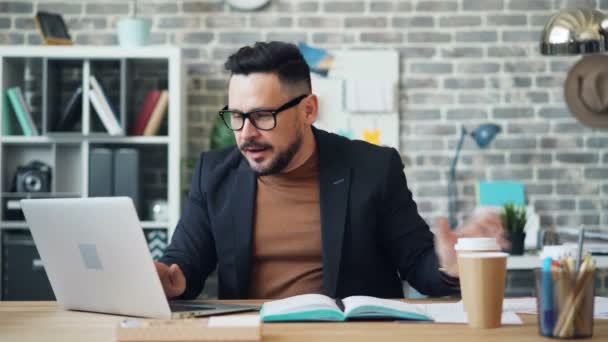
point(282, 59)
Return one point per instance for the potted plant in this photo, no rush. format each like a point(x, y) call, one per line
point(221, 136)
point(514, 221)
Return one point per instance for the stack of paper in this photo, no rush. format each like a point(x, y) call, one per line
point(454, 313)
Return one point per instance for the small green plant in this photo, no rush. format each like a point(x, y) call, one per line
point(221, 136)
point(514, 218)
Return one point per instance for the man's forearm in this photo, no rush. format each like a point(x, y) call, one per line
point(428, 279)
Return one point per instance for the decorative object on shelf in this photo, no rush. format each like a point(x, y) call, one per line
point(157, 242)
point(247, 5)
point(483, 136)
point(576, 31)
point(586, 91)
point(221, 136)
point(514, 220)
point(52, 28)
point(158, 210)
point(35, 176)
point(133, 31)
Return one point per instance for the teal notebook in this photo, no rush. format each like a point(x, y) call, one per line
point(498, 194)
point(316, 307)
point(23, 117)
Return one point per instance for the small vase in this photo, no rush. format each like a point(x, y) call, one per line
point(133, 32)
point(517, 243)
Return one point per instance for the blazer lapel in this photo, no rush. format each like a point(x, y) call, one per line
point(243, 190)
point(334, 179)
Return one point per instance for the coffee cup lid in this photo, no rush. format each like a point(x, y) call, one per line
point(486, 255)
point(477, 244)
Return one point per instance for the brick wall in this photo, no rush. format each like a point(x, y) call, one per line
point(463, 62)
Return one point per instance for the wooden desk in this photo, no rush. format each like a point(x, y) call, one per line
point(44, 321)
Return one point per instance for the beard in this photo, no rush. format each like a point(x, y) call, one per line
point(278, 162)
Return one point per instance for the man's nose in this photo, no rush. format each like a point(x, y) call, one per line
point(249, 130)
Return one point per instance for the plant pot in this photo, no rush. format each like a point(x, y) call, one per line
point(133, 32)
point(517, 243)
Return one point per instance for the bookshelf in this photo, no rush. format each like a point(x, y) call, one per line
point(48, 76)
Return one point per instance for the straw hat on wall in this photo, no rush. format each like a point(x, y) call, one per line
point(586, 91)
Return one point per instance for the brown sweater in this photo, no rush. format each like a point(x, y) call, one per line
point(286, 257)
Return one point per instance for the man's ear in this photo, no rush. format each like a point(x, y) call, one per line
point(311, 108)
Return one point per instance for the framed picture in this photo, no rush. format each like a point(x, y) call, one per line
point(52, 28)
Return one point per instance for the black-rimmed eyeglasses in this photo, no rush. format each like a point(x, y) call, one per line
point(264, 119)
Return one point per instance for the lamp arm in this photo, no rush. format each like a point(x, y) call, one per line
point(452, 194)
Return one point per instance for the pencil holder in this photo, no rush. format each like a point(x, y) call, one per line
point(565, 303)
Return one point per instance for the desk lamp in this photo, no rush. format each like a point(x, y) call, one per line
point(483, 135)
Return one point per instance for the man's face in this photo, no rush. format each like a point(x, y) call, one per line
point(270, 151)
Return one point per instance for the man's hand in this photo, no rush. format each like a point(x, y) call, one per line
point(485, 225)
point(172, 278)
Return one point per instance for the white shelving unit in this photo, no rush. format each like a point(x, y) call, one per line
point(134, 72)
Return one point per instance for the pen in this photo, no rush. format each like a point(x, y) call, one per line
point(547, 320)
point(579, 251)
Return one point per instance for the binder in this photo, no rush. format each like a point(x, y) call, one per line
point(126, 175)
point(100, 172)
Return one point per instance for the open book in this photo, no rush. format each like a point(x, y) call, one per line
point(316, 307)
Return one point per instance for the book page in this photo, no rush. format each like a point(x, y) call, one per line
point(307, 302)
point(368, 306)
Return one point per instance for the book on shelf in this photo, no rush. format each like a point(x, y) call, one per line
point(72, 112)
point(317, 307)
point(103, 108)
point(159, 113)
point(146, 112)
point(6, 119)
point(22, 111)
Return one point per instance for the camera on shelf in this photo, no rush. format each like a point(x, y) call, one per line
point(33, 177)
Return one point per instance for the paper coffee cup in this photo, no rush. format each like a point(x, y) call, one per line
point(476, 245)
point(482, 283)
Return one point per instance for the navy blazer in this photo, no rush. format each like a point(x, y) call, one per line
point(372, 234)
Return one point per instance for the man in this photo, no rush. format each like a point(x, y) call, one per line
point(293, 209)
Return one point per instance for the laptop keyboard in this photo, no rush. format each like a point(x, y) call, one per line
point(181, 307)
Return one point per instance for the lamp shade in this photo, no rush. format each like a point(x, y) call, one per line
point(575, 31)
point(484, 134)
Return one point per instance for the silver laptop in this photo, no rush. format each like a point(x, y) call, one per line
point(97, 259)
